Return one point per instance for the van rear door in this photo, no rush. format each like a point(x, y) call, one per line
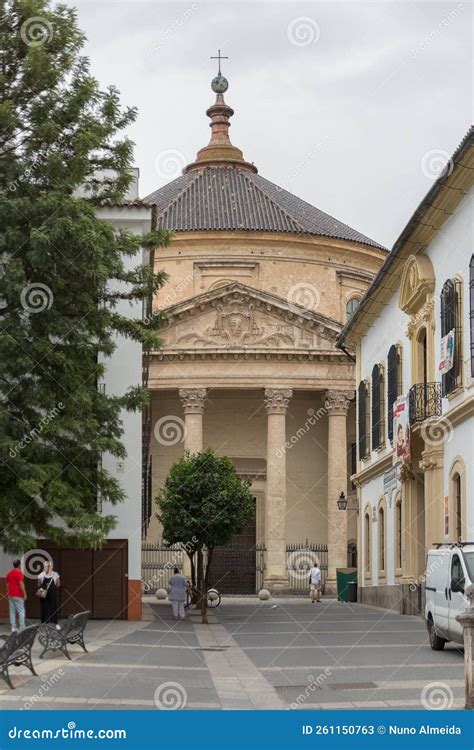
point(457, 598)
point(437, 578)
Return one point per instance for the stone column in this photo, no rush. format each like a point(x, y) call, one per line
point(276, 404)
point(432, 463)
point(466, 619)
point(337, 404)
point(193, 401)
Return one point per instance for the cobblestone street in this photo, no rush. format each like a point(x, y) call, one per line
point(280, 654)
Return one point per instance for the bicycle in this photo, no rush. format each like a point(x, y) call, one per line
point(193, 595)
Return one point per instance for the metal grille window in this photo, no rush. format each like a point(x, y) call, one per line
point(451, 319)
point(378, 407)
point(362, 404)
point(394, 383)
point(381, 531)
point(471, 310)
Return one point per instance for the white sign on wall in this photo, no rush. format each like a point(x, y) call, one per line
point(447, 353)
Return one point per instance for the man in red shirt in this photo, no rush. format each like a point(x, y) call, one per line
point(16, 593)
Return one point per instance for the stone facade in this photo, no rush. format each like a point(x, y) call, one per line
point(249, 366)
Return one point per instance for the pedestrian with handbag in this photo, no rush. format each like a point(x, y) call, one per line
point(47, 591)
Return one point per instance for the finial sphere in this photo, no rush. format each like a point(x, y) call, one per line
point(219, 84)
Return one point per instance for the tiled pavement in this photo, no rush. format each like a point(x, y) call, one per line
point(280, 654)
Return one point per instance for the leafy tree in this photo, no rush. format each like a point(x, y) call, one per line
point(62, 275)
point(203, 504)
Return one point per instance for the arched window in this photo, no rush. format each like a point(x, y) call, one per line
point(398, 534)
point(451, 320)
point(381, 539)
point(351, 306)
point(394, 383)
point(378, 406)
point(352, 555)
point(367, 541)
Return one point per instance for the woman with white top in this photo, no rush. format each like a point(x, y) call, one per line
point(50, 582)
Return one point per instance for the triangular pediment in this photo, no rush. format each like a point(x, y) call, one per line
point(237, 316)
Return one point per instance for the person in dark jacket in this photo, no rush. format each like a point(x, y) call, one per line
point(50, 582)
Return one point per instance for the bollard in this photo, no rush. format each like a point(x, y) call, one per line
point(466, 619)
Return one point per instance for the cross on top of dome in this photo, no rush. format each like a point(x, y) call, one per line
point(219, 84)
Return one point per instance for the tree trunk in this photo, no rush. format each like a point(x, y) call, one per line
point(210, 550)
point(201, 587)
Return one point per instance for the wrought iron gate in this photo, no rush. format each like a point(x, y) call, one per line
point(158, 562)
point(300, 558)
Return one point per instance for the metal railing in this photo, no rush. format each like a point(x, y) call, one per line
point(424, 401)
point(158, 562)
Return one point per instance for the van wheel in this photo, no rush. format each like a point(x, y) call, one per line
point(436, 642)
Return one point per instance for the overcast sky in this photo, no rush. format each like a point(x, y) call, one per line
point(352, 106)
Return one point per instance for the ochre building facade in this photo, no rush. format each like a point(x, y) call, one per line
point(259, 286)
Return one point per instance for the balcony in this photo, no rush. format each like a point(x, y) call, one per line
point(424, 402)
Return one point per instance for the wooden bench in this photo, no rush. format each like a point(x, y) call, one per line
point(69, 632)
point(16, 652)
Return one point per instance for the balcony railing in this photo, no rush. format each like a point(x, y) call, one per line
point(424, 402)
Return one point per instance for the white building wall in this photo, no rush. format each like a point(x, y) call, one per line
point(123, 371)
point(450, 254)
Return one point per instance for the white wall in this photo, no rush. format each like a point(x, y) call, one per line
point(124, 370)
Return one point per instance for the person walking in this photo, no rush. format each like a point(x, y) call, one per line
point(177, 588)
point(49, 582)
point(16, 594)
point(315, 583)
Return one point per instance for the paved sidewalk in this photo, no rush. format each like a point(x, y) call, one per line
point(285, 653)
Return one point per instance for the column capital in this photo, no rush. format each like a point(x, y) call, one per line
point(277, 400)
point(193, 400)
point(337, 402)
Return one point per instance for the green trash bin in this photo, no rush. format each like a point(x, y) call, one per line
point(345, 576)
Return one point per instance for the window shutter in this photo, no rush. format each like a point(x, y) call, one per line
point(392, 386)
point(375, 407)
point(362, 408)
point(448, 322)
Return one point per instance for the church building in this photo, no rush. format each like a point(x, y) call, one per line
point(260, 285)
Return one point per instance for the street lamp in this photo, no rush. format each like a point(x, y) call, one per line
point(342, 501)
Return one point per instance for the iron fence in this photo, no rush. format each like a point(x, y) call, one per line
point(300, 558)
point(424, 402)
point(158, 562)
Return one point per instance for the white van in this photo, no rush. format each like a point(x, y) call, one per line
point(449, 571)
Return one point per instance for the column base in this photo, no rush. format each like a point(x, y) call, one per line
point(277, 585)
point(330, 587)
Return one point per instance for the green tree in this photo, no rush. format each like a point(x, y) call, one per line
point(203, 504)
point(62, 275)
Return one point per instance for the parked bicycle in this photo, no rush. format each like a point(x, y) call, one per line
point(213, 597)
